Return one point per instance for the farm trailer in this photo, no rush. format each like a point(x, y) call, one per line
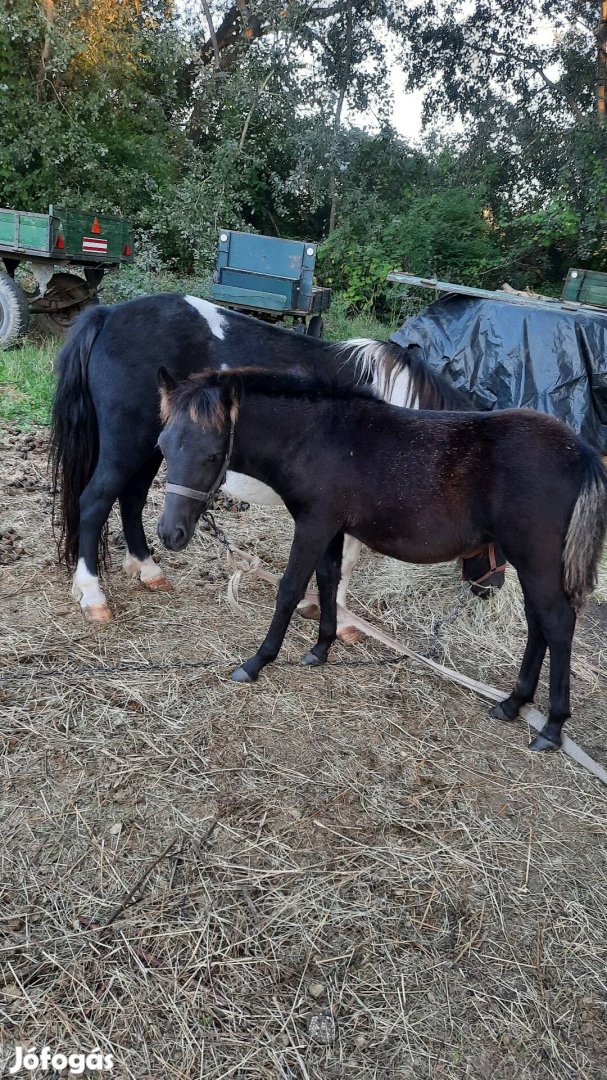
point(66, 238)
point(271, 278)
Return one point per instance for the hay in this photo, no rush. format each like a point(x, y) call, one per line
point(360, 874)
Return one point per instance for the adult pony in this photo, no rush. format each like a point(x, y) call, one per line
point(106, 421)
point(422, 487)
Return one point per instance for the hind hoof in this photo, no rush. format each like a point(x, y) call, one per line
point(498, 714)
point(241, 676)
point(158, 584)
point(97, 613)
point(349, 635)
point(309, 611)
point(543, 745)
point(311, 660)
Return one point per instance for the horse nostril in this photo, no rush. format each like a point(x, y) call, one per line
point(179, 536)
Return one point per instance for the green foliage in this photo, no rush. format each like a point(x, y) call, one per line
point(441, 235)
point(119, 107)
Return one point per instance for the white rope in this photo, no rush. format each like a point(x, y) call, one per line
point(249, 568)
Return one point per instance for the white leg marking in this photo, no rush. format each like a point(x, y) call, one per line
point(147, 570)
point(215, 318)
point(86, 588)
point(349, 559)
point(246, 488)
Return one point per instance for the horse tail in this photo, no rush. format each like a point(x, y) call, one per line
point(586, 531)
point(74, 443)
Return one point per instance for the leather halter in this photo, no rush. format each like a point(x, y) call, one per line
point(493, 567)
point(207, 496)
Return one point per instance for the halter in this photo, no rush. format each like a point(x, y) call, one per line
point(207, 496)
point(493, 567)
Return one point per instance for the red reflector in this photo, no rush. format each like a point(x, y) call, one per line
point(60, 242)
point(96, 227)
point(127, 250)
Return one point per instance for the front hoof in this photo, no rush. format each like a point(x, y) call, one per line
point(158, 584)
point(349, 635)
point(97, 613)
point(311, 659)
point(498, 713)
point(241, 676)
point(542, 745)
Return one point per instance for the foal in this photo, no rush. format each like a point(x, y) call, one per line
point(421, 487)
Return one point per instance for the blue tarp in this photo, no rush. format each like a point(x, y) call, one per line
point(513, 356)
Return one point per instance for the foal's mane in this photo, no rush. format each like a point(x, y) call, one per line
point(383, 361)
point(205, 396)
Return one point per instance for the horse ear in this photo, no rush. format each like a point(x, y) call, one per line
point(231, 393)
point(167, 383)
point(166, 380)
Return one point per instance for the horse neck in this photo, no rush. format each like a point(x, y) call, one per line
point(265, 435)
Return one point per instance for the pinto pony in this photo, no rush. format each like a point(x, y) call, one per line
point(106, 421)
point(422, 487)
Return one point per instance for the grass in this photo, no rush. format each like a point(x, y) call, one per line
point(26, 383)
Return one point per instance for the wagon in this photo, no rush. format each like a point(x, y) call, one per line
point(271, 278)
point(66, 238)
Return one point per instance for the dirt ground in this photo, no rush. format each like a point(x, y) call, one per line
point(345, 872)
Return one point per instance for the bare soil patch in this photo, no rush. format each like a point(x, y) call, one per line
point(344, 872)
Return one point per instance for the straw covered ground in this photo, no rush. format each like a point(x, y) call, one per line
point(344, 872)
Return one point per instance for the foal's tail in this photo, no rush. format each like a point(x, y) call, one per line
point(586, 532)
point(74, 433)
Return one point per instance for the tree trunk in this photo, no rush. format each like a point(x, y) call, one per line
point(601, 80)
point(338, 111)
point(47, 48)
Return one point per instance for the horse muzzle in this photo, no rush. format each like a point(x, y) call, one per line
point(175, 535)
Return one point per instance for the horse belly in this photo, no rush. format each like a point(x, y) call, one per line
point(416, 538)
point(241, 486)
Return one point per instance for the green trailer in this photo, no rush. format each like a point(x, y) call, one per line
point(52, 245)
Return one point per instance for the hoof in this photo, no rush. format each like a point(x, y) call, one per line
point(241, 676)
point(498, 714)
point(97, 613)
point(310, 659)
point(309, 611)
point(349, 635)
point(158, 584)
point(541, 744)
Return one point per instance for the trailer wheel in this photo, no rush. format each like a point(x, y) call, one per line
point(66, 295)
point(14, 313)
point(315, 326)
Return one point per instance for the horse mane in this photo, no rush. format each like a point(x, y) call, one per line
point(202, 396)
point(382, 362)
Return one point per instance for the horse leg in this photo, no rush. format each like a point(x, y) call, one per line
point(309, 545)
point(96, 502)
point(345, 631)
point(327, 576)
point(310, 610)
point(558, 626)
point(551, 625)
point(526, 684)
point(132, 500)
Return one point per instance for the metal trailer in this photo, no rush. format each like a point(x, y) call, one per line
point(66, 238)
point(271, 278)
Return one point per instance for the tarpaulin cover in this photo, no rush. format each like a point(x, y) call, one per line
point(513, 356)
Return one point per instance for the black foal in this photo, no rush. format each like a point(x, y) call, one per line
point(418, 486)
